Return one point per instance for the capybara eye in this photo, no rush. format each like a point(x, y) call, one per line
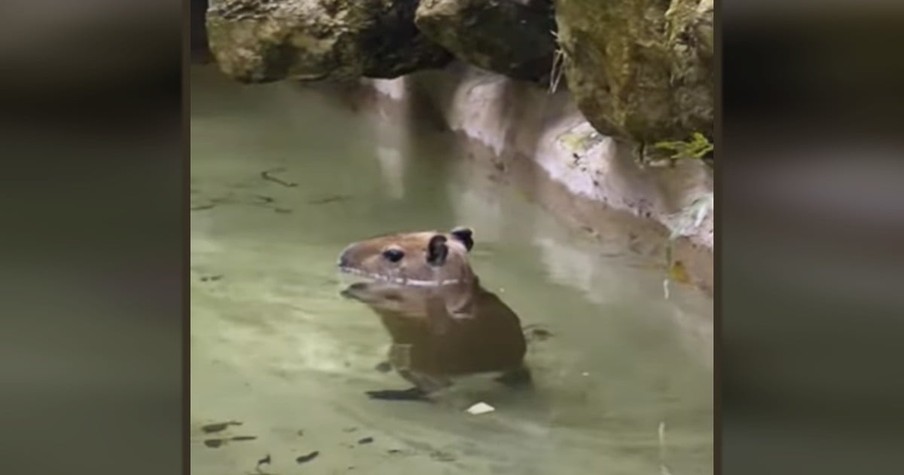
point(393, 255)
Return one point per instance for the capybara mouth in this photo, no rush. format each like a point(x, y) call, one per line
point(403, 281)
point(353, 291)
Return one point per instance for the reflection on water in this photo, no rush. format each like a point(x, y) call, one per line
point(621, 379)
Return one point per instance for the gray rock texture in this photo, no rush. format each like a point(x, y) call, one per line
point(256, 41)
point(509, 37)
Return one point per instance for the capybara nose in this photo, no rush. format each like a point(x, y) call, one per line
point(345, 256)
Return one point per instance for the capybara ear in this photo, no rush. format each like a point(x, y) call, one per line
point(437, 250)
point(464, 235)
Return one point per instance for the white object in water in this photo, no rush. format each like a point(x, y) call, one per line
point(480, 408)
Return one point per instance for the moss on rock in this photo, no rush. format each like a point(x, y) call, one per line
point(640, 69)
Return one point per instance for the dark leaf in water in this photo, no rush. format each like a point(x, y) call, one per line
point(218, 426)
point(308, 457)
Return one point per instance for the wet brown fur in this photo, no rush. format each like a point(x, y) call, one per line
point(441, 331)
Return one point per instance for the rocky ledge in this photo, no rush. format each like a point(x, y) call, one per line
point(513, 38)
point(640, 70)
point(256, 41)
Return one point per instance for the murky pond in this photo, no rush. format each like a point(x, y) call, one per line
point(283, 178)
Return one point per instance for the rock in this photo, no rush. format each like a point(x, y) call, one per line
point(640, 69)
point(510, 37)
point(702, 23)
point(256, 41)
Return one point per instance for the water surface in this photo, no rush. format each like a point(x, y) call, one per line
point(283, 178)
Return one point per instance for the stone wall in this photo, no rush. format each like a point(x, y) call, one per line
point(640, 70)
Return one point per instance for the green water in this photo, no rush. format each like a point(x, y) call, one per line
point(624, 385)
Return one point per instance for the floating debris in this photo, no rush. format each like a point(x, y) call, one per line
point(268, 175)
point(678, 273)
point(308, 457)
point(263, 199)
point(366, 440)
point(263, 461)
point(244, 437)
point(214, 443)
point(480, 408)
point(218, 426)
point(328, 199)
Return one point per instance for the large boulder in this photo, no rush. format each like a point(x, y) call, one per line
point(256, 41)
point(510, 37)
point(640, 69)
